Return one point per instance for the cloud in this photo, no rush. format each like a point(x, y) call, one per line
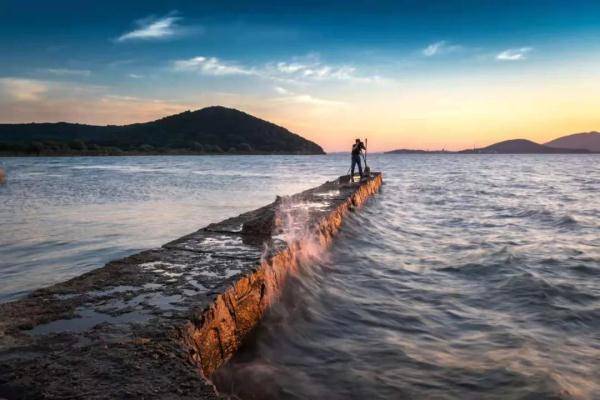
point(514, 54)
point(135, 76)
point(281, 90)
point(290, 68)
point(441, 47)
point(316, 70)
point(15, 89)
point(47, 101)
point(152, 28)
point(211, 66)
point(282, 71)
point(23, 89)
point(68, 72)
point(290, 97)
point(311, 100)
point(433, 48)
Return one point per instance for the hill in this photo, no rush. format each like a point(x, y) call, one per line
point(586, 140)
point(521, 146)
point(209, 130)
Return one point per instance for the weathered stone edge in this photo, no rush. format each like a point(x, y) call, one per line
point(214, 334)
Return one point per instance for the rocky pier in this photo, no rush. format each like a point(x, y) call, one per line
point(158, 323)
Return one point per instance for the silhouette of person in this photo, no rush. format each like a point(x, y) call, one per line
point(357, 147)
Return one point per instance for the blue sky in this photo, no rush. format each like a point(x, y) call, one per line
point(398, 70)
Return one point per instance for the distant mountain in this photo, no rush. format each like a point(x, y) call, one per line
point(209, 130)
point(586, 140)
point(521, 146)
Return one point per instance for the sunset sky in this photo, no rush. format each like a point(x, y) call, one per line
point(406, 74)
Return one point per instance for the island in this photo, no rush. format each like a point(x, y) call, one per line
point(211, 130)
point(584, 140)
point(579, 143)
point(523, 146)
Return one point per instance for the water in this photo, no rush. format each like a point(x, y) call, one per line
point(467, 277)
point(61, 217)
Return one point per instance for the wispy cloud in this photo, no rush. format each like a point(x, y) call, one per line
point(43, 90)
point(318, 71)
point(211, 66)
point(281, 90)
point(23, 99)
point(282, 71)
point(68, 72)
point(153, 28)
point(135, 76)
point(514, 54)
point(20, 89)
point(311, 100)
point(433, 49)
point(441, 47)
point(290, 68)
point(289, 96)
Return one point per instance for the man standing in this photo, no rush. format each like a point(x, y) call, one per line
point(357, 147)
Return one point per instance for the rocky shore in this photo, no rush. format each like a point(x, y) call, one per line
point(158, 323)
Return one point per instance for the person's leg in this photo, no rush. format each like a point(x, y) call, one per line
point(353, 164)
point(359, 166)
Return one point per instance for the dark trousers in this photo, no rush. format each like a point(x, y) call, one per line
point(356, 161)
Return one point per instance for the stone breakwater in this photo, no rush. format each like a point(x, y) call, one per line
point(158, 323)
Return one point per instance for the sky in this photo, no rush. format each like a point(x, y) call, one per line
point(448, 74)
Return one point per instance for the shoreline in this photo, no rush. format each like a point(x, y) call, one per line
point(135, 154)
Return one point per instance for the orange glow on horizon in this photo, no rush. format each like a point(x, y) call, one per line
point(451, 113)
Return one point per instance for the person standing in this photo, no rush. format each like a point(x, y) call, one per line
point(357, 148)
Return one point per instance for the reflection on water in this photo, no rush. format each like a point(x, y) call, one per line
point(465, 278)
point(65, 216)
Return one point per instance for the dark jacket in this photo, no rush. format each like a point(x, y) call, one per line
point(357, 147)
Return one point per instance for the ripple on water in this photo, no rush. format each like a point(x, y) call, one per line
point(484, 289)
point(467, 277)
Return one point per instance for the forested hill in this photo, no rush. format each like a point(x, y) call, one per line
point(209, 130)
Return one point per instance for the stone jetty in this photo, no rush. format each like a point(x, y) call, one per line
point(155, 325)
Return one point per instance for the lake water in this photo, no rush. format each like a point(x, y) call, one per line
point(466, 277)
point(65, 216)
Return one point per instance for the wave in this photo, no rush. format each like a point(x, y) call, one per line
point(541, 215)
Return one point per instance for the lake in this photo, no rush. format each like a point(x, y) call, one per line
point(467, 276)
